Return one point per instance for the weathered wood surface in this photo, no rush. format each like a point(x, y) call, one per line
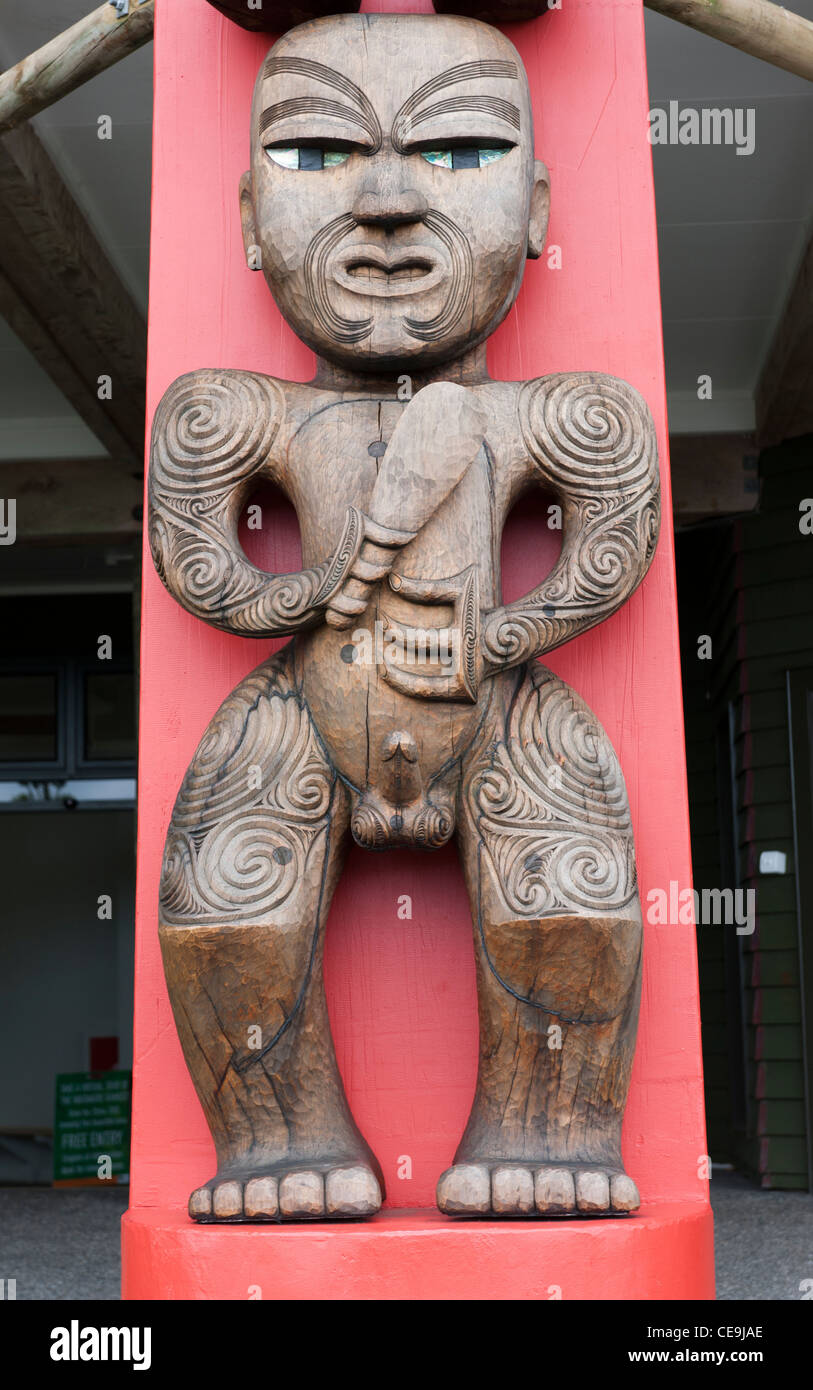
point(63, 298)
point(72, 58)
point(273, 16)
point(784, 395)
point(759, 27)
point(713, 475)
point(405, 710)
point(70, 500)
point(495, 11)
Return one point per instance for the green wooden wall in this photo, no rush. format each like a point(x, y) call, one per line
point(748, 585)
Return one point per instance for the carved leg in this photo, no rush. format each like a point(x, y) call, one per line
point(548, 856)
point(253, 853)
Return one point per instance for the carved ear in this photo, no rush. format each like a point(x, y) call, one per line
point(274, 16)
point(540, 210)
point(254, 255)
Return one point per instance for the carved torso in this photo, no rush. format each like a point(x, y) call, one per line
point(345, 682)
point(434, 631)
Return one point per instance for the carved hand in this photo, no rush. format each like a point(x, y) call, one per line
point(593, 441)
point(436, 439)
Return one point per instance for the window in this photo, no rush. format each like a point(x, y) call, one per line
point(109, 725)
point(67, 734)
point(29, 718)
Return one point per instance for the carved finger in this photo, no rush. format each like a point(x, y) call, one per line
point(345, 607)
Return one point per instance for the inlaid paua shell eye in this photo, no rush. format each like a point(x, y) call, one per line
point(465, 156)
point(307, 157)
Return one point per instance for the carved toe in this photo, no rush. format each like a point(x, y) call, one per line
point(261, 1199)
point(554, 1191)
point(465, 1188)
point(200, 1204)
point(512, 1191)
point(227, 1201)
point(592, 1192)
point(352, 1192)
point(624, 1195)
point(302, 1194)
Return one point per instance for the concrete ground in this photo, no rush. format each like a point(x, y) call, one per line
point(64, 1244)
point(61, 1242)
point(763, 1241)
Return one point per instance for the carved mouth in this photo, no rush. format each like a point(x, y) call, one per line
point(368, 270)
point(407, 270)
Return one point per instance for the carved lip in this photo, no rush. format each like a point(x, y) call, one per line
point(368, 270)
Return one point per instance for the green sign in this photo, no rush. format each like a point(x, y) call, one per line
point(92, 1127)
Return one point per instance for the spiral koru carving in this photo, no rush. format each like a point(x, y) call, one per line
point(211, 440)
point(551, 806)
point(593, 440)
point(252, 810)
point(433, 826)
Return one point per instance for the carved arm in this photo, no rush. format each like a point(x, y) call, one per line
point(592, 440)
point(211, 440)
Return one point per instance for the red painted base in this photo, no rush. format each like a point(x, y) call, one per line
point(666, 1252)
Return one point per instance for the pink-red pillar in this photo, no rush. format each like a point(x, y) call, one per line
point(401, 992)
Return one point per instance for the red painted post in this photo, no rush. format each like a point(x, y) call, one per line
point(401, 992)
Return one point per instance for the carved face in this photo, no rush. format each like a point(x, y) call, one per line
point(393, 192)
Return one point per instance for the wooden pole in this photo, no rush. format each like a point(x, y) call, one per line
point(73, 57)
point(757, 27)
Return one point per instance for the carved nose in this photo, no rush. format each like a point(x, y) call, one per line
point(388, 209)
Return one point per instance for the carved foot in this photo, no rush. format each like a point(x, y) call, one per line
point(285, 1193)
point(514, 1189)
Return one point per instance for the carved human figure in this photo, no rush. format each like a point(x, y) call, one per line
point(392, 201)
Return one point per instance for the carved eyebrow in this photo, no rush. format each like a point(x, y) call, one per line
point(505, 110)
point(463, 72)
point(361, 112)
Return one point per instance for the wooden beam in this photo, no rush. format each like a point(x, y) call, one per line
point(713, 475)
point(72, 58)
point(757, 27)
point(69, 500)
point(784, 394)
point(62, 297)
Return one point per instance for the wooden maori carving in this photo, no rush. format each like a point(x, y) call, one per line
point(491, 11)
point(392, 202)
point(272, 16)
